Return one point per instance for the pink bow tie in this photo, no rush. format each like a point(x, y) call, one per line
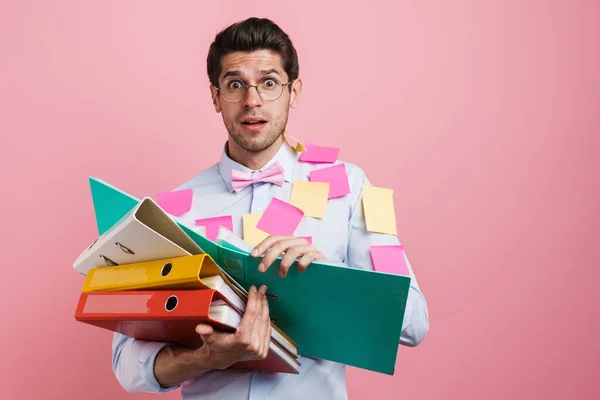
point(274, 174)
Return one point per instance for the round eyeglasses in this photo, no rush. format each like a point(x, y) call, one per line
point(268, 90)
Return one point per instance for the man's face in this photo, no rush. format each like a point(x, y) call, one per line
point(253, 123)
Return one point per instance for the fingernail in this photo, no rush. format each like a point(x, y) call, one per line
point(261, 267)
point(253, 289)
point(263, 289)
point(254, 252)
point(281, 274)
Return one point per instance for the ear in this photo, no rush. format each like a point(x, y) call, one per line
point(295, 95)
point(215, 98)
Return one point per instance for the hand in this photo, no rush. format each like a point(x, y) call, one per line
point(293, 247)
point(249, 342)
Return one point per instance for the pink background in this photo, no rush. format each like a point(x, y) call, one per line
point(482, 116)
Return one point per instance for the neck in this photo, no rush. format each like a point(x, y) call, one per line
point(253, 160)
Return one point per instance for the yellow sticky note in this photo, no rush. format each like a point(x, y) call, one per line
point(299, 148)
point(378, 205)
point(253, 235)
point(295, 143)
point(310, 197)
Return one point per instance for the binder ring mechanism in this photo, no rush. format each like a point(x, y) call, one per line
point(124, 248)
point(108, 261)
point(272, 296)
point(93, 243)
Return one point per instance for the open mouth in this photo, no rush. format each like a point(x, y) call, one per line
point(248, 123)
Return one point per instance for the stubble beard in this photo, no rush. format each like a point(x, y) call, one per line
point(263, 143)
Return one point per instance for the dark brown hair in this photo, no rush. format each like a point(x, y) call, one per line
point(250, 35)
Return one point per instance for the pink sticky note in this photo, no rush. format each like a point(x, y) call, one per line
point(337, 178)
point(308, 239)
point(280, 218)
point(389, 259)
point(176, 202)
point(319, 154)
point(212, 225)
point(295, 143)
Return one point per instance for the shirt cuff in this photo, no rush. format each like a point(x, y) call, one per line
point(146, 361)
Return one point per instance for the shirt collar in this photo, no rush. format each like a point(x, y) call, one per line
point(285, 155)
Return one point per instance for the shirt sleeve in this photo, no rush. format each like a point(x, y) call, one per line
point(416, 317)
point(133, 364)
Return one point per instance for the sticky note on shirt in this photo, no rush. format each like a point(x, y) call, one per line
point(307, 238)
point(212, 225)
point(177, 202)
point(252, 234)
point(200, 230)
point(280, 218)
point(319, 154)
point(378, 206)
point(295, 144)
point(390, 259)
point(336, 176)
point(310, 197)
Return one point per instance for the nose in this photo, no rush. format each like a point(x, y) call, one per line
point(252, 98)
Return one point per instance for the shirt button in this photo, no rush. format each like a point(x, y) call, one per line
point(259, 209)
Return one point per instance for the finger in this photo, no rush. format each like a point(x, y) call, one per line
point(255, 337)
point(271, 248)
point(245, 329)
point(263, 323)
point(291, 256)
point(254, 340)
point(307, 258)
point(267, 341)
point(266, 244)
point(275, 251)
point(204, 330)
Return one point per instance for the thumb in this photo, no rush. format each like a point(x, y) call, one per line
point(204, 329)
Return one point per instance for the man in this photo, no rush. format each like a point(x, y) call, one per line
point(253, 71)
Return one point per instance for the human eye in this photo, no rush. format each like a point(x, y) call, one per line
point(234, 85)
point(270, 83)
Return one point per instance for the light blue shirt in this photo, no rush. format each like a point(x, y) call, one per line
point(341, 236)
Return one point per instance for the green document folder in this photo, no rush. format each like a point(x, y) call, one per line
point(338, 313)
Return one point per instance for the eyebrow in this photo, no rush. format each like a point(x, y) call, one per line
point(269, 71)
point(263, 72)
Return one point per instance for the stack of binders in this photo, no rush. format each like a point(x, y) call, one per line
point(147, 280)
